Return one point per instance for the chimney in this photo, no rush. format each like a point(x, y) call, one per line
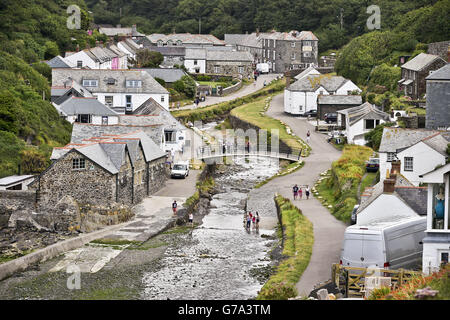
point(133, 28)
point(389, 184)
point(287, 75)
point(78, 47)
point(395, 167)
point(257, 32)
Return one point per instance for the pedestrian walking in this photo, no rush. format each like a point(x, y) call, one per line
point(254, 222)
point(247, 147)
point(174, 207)
point(308, 135)
point(300, 193)
point(191, 219)
point(295, 191)
point(307, 192)
point(257, 220)
point(249, 220)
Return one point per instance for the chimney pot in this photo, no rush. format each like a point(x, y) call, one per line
point(389, 185)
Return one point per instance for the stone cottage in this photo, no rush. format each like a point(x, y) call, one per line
point(229, 63)
point(100, 179)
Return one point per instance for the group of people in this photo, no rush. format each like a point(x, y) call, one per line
point(174, 210)
point(298, 192)
point(251, 220)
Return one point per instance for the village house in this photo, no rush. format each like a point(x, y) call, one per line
point(130, 47)
point(87, 110)
point(121, 90)
point(301, 96)
point(436, 245)
point(310, 71)
point(59, 62)
point(334, 103)
point(16, 182)
point(419, 150)
point(357, 121)
point(438, 101)
point(68, 89)
point(392, 197)
point(195, 60)
point(230, 63)
point(103, 170)
point(169, 75)
point(414, 73)
point(246, 42)
point(122, 57)
point(121, 32)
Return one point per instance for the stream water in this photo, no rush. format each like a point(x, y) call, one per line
point(220, 259)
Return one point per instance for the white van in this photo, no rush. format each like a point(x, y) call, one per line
point(180, 170)
point(389, 243)
point(262, 67)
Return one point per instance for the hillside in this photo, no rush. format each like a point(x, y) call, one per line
point(238, 16)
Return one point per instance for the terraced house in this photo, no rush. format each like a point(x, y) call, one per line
point(121, 90)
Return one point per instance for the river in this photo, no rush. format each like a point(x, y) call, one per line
point(220, 259)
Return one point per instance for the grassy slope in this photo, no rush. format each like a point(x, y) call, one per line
point(298, 243)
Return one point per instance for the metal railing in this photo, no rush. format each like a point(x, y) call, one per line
point(213, 151)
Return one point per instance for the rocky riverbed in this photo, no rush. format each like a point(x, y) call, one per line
point(218, 259)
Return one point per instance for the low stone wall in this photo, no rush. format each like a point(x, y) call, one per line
point(232, 89)
point(14, 201)
point(238, 123)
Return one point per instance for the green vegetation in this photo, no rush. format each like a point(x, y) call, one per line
point(121, 293)
point(439, 281)
point(285, 170)
point(253, 113)
point(340, 189)
point(148, 59)
point(215, 84)
point(220, 110)
point(186, 86)
point(202, 187)
point(297, 248)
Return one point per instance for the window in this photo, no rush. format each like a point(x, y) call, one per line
point(216, 69)
point(408, 164)
point(241, 69)
point(195, 62)
point(84, 118)
point(109, 101)
point(169, 43)
point(90, 83)
point(104, 120)
point(307, 54)
point(179, 42)
point(307, 43)
point(170, 136)
point(78, 164)
point(390, 156)
point(79, 64)
point(369, 124)
point(134, 84)
point(274, 55)
point(293, 56)
point(128, 105)
point(162, 98)
point(293, 44)
point(160, 43)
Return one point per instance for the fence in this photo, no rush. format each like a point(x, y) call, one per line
point(352, 280)
point(217, 150)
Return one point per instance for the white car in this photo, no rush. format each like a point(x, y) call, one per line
point(180, 170)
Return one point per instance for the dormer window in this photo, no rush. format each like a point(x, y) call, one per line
point(90, 83)
point(169, 43)
point(160, 43)
point(134, 84)
point(111, 81)
point(179, 42)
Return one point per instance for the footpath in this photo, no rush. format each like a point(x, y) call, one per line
point(328, 231)
point(244, 91)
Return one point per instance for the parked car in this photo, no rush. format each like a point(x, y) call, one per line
point(373, 165)
point(391, 243)
point(262, 68)
point(330, 117)
point(353, 216)
point(180, 170)
point(310, 113)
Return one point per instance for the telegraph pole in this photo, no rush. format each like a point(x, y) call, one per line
point(200, 25)
point(342, 18)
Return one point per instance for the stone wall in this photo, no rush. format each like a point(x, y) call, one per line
point(14, 201)
point(230, 68)
point(440, 49)
point(158, 175)
point(238, 123)
point(421, 86)
point(232, 89)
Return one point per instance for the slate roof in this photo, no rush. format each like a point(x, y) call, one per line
point(168, 75)
point(313, 82)
point(340, 99)
point(149, 107)
point(75, 106)
point(364, 111)
point(186, 38)
point(169, 51)
point(438, 143)
point(7, 181)
point(306, 72)
point(397, 139)
point(149, 85)
point(289, 36)
point(441, 74)
point(248, 40)
point(58, 62)
point(116, 50)
point(195, 54)
point(420, 62)
point(218, 55)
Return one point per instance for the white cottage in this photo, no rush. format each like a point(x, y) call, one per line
point(357, 121)
point(301, 96)
point(436, 245)
point(87, 110)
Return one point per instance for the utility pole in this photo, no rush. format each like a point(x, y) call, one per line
point(200, 25)
point(342, 18)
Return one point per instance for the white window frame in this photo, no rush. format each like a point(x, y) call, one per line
point(90, 83)
point(217, 69)
point(110, 105)
point(162, 98)
point(134, 83)
point(293, 56)
point(408, 164)
point(241, 69)
point(292, 44)
point(390, 156)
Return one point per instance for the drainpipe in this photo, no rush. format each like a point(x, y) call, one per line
point(132, 185)
point(148, 178)
point(117, 187)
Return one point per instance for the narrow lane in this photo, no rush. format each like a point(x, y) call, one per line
point(328, 231)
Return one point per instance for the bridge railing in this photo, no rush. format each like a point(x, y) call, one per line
point(231, 150)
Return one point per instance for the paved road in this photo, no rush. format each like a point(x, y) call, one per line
point(328, 231)
point(246, 90)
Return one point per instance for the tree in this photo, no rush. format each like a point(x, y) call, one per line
point(146, 58)
point(31, 161)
